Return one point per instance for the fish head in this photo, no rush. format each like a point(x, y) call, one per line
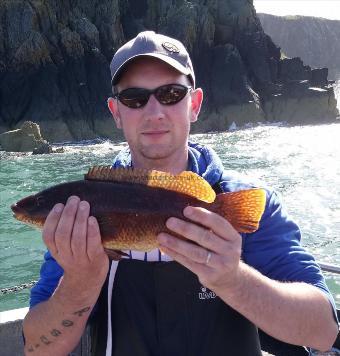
point(32, 209)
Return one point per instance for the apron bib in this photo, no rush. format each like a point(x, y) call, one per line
point(161, 309)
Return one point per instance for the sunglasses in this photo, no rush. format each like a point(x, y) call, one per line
point(168, 94)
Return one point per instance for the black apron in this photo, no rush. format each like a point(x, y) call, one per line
point(161, 309)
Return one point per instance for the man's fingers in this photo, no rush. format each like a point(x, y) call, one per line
point(193, 266)
point(64, 229)
point(202, 236)
point(220, 226)
point(192, 252)
point(94, 244)
point(50, 227)
point(79, 232)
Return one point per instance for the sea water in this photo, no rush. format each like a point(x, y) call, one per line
point(302, 163)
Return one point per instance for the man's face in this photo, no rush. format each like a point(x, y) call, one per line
point(155, 131)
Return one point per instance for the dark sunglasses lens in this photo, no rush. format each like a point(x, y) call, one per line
point(134, 97)
point(171, 94)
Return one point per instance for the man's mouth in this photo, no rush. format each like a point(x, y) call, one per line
point(155, 133)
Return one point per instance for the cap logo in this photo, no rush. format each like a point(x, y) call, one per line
point(170, 47)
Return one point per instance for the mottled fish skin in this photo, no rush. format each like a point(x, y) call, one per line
point(130, 214)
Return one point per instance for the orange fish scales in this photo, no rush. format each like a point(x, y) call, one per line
point(132, 205)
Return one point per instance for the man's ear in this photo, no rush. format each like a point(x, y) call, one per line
point(196, 102)
point(113, 107)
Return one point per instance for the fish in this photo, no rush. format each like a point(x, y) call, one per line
point(133, 205)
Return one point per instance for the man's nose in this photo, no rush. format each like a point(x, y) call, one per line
point(154, 109)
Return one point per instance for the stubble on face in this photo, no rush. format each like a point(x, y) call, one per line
point(157, 135)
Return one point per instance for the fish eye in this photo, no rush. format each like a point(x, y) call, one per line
point(40, 200)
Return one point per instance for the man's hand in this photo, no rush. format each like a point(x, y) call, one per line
point(216, 257)
point(54, 327)
point(73, 238)
point(304, 312)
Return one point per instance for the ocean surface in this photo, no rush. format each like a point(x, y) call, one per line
point(302, 163)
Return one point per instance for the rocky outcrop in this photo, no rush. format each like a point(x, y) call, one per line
point(46, 148)
point(25, 139)
point(315, 40)
point(54, 64)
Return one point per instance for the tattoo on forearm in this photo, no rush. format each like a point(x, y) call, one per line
point(67, 323)
point(81, 311)
point(45, 340)
point(55, 332)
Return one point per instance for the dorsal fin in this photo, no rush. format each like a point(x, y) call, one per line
point(188, 183)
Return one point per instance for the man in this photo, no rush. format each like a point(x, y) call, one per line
point(220, 288)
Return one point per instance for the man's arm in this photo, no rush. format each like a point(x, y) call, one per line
point(54, 327)
point(296, 313)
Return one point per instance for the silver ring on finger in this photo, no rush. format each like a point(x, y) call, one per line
point(208, 258)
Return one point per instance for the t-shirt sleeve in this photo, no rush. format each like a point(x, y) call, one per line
point(50, 274)
point(275, 249)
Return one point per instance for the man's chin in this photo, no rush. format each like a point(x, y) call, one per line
point(155, 155)
point(156, 152)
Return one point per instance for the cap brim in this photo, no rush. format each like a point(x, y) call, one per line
point(172, 62)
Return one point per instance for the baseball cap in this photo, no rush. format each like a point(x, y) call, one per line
point(149, 43)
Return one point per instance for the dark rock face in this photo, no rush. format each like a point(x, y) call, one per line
point(54, 69)
point(314, 40)
point(54, 63)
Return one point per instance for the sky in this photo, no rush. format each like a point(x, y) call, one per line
point(329, 9)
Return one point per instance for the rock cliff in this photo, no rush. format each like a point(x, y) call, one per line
point(315, 40)
point(54, 64)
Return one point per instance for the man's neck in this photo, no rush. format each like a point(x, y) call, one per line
point(165, 165)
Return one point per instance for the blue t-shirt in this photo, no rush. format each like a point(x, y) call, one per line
point(274, 249)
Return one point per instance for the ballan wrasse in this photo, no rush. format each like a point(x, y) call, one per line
point(132, 205)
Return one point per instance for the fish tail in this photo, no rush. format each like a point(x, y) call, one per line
point(243, 209)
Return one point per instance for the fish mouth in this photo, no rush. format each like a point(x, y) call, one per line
point(18, 212)
point(21, 215)
point(16, 209)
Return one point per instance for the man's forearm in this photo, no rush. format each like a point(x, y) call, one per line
point(55, 327)
point(296, 313)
